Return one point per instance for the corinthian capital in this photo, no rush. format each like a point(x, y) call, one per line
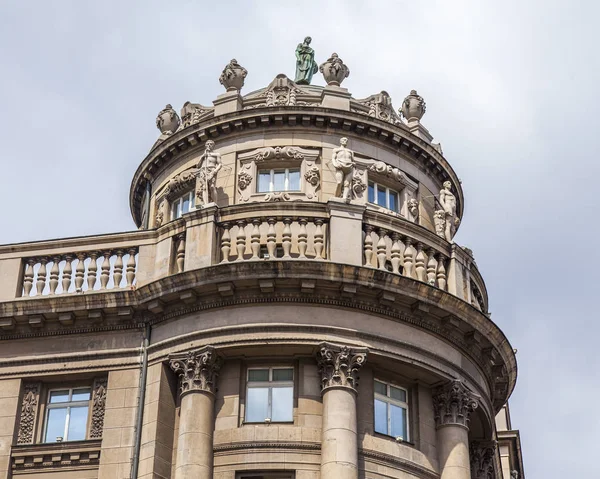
point(339, 365)
point(197, 370)
point(453, 403)
point(482, 459)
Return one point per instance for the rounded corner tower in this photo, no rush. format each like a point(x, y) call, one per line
point(302, 309)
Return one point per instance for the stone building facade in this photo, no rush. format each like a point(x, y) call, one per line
point(293, 305)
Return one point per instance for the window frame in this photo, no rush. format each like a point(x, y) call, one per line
point(66, 405)
point(269, 385)
point(388, 400)
point(379, 186)
point(286, 179)
point(178, 201)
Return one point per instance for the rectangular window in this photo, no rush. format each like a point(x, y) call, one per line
point(382, 196)
point(270, 395)
point(182, 205)
point(67, 414)
point(279, 180)
point(391, 410)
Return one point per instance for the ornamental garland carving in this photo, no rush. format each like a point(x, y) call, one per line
point(29, 408)
point(482, 459)
point(453, 403)
point(197, 370)
point(339, 365)
point(98, 408)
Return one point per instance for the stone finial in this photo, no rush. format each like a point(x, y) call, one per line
point(413, 107)
point(334, 70)
point(233, 76)
point(197, 370)
point(168, 120)
point(339, 365)
point(453, 403)
point(482, 459)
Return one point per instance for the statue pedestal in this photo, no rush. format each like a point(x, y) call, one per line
point(417, 129)
point(336, 97)
point(228, 102)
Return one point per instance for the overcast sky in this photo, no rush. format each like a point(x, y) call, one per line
point(512, 94)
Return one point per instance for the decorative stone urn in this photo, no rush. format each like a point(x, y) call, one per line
point(334, 70)
point(413, 106)
point(233, 76)
point(168, 120)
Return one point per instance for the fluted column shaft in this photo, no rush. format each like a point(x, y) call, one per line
point(339, 366)
point(453, 403)
point(198, 371)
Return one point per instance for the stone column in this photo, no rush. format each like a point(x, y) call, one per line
point(482, 459)
point(197, 372)
point(452, 405)
point(338, 367)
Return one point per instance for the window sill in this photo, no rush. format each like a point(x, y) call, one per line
point(392, 438)
point(272, 423)
point(56, 456)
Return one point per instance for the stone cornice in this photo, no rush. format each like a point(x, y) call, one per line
point(397, 462)
point(319, 118)
point(55, 457)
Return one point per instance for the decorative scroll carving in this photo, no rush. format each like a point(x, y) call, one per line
point(244, 180)
point(453, 403)
point(192, 113)
point(281, 92)
point(339, 365)
point(197, 370)
point(379, 106)
point(313, 176)
point(278, 196)
point(29, 409)
point(98, 407)
point(482, 459)
point(389, 171)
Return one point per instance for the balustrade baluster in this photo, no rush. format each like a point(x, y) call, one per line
point(67, 273)
point(105, 270)
point(431, 267)
point(302, 238)
point(79, 272)
point(271, 238)
point(41, 278)
point(441, 272)
point(420, 262)
point(286, 238)
point(255, 238)
point(381, 249)
point(180, 253)
point(92, 270)
point(54, 274)
point(241, 240)
point(28, 277)
point(118, 272)
point(368, 246)
point(130, 273)
point(408, 258)
point(396, 253)
point(319, 239)
point(225, 243)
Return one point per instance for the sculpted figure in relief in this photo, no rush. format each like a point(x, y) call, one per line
point(206, 181)
point(306, 66)
point(448, 214)
point(343, 162)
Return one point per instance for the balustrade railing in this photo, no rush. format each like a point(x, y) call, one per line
point(268, 238)
point(79, 272)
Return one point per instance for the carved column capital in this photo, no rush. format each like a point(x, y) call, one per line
point(339, 365)
point(482, 459)
point(197, 370)
point(453, 403)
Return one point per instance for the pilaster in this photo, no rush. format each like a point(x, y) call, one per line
point(482, 459)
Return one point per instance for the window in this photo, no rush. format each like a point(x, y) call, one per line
point(391, 410)
point(182, 205)
point(270, 395)
point(279, 180)
point(67, 414)
point(383, 196)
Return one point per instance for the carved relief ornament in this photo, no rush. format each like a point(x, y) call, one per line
point(251, 162)
point(29, 409)
point(453, 403)
point(192, 113)
point(197, 370)
point(98, 408)
point(281, 92)
point(339, 365)
point(482, 459)
point(378, 106)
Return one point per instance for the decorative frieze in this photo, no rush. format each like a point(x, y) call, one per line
point(453, 403)
point(98, 408)
point(482, 459)
point(29, 410)
point(197, 370)
point(339, 365)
